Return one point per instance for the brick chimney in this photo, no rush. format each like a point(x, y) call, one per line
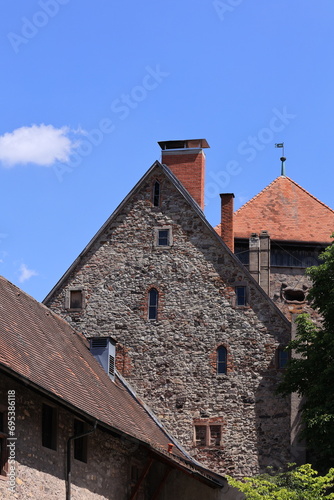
point(186, 159)
point(226, 225)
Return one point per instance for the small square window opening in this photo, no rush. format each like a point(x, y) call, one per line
point(75, 299)
point(163, 237)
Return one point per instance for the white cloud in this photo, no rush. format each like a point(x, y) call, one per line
point(39, 144)
point(25, 273)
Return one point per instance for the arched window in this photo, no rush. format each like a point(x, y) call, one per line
point(221, 360)
point(153, 296)
point(156, 194)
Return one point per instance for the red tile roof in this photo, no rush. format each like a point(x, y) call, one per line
point(41, 347)
point(288, 212)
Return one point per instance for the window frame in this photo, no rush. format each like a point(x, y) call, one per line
point(281, 350)
point(237, 296)
point(49, 434)
point(156, 196)
point(80, 445)
point(208, 426)
point(152, 306)
point(68, 299)
point(157, 236)
point(219, 363)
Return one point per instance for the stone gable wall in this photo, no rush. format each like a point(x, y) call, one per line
point(170, 362)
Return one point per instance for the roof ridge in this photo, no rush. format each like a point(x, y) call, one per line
point(266, 188)
point(257, 195)
point(310, 194)
point(48, 311)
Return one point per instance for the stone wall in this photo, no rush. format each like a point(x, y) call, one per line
point(114, 463)
point(171, 361)
point(40, 471)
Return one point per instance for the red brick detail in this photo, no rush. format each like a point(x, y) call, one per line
point(123, 360)
point(213, 360)
point(161, 303)
point(190, 170)
point(227, 219)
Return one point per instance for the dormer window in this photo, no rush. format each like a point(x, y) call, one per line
point(104, 351)
point(156, 194)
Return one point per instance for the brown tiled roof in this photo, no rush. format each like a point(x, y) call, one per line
point(288, 212)
point(41, 347)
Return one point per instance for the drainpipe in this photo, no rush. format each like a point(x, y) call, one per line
point(68, 471)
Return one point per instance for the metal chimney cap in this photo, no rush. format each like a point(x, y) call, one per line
point(184, 144)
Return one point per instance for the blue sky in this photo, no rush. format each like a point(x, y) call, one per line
point(88, 88)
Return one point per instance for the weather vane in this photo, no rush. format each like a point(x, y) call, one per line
point(281, 145)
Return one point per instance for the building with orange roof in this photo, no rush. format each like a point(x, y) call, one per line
point(278, 234)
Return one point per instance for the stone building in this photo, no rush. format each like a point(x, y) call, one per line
point(71, 428)
point(277, 235)
point(197, 337)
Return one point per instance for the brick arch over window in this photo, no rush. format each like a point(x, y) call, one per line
point(221, 360)
point(217, 355)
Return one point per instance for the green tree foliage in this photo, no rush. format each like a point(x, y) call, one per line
point(301, 483)
point(312, 374)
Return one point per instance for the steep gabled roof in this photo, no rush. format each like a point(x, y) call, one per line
point(197, 210)
point(288, 212)
point(48, 355)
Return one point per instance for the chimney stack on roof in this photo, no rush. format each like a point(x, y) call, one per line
point(227, 220)
point(186, 159)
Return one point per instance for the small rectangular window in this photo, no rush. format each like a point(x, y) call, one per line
point(156, 194)
point(49, 427)
point(240, 292)
point(163, 237)
point(283, 357)
point(221, 360)
point(80, 444)
point(215, 435)
point(200, 435)
point(153, 304)
point(75, 299)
